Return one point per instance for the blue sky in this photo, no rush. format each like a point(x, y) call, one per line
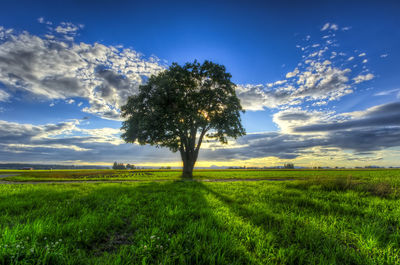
point(299, 66)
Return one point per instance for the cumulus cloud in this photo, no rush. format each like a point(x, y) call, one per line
point(287, 120)
point(66, 141)
point(363, 132)
point(329, 26)
point(68, 28)
point(387, 115)
point(318, 81)
point(55, 69)
point(362, 78)
point(322, 75)
point(292, 74)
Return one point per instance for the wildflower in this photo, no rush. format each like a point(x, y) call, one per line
point(60, 240)
point(145, 246)
point(32, 250)
point(45, 238)
point(152, 237)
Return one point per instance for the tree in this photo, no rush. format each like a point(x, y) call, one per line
point(178, 107)
point(289, 166)
point(118, 166)
point(129, 166)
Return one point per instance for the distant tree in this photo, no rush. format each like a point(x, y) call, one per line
point(129, 166)
point(180, 106)
point(289, 166)
point(117, 165)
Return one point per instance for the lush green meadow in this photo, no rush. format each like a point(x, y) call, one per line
point(312, 217)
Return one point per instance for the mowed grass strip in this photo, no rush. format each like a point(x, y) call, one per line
point(177, 222)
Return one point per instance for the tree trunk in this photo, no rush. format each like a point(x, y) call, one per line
point(188, 165)
point(190, 152)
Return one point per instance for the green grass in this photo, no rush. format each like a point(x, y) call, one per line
point(388, 175)
point(326, 218)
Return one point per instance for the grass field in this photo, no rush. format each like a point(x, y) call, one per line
point(314, 217)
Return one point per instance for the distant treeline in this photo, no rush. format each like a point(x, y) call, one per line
point(117, 165)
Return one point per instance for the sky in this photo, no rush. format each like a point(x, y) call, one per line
point(319, 80)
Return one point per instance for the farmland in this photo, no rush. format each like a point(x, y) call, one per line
point(152, 217)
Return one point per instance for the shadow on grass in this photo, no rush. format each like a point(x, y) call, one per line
point(299, 241)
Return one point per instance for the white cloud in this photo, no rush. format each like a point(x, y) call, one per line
point(362, 78)
point(41, 20)
point(291, 118)
point(384, 55)
point(292, 74)
point(325, 27)
point(54, 69)
point(322, 76)
point(329, 26)
point(319, 81)
point(334, 27)
point(365, 61)
point(68, 28)
point(389, 92)
point(4, 96)
point(362, 54)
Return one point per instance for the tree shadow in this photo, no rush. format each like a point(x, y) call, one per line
point(300, 241)
point(129, 223)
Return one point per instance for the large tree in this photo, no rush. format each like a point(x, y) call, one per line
point(180, 106)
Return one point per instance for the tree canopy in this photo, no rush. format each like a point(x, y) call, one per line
point(180, 106)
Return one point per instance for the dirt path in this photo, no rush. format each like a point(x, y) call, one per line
point(123, 181)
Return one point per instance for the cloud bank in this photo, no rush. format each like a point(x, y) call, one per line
point(57, 67)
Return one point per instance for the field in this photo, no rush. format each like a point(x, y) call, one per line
point(152, 217)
